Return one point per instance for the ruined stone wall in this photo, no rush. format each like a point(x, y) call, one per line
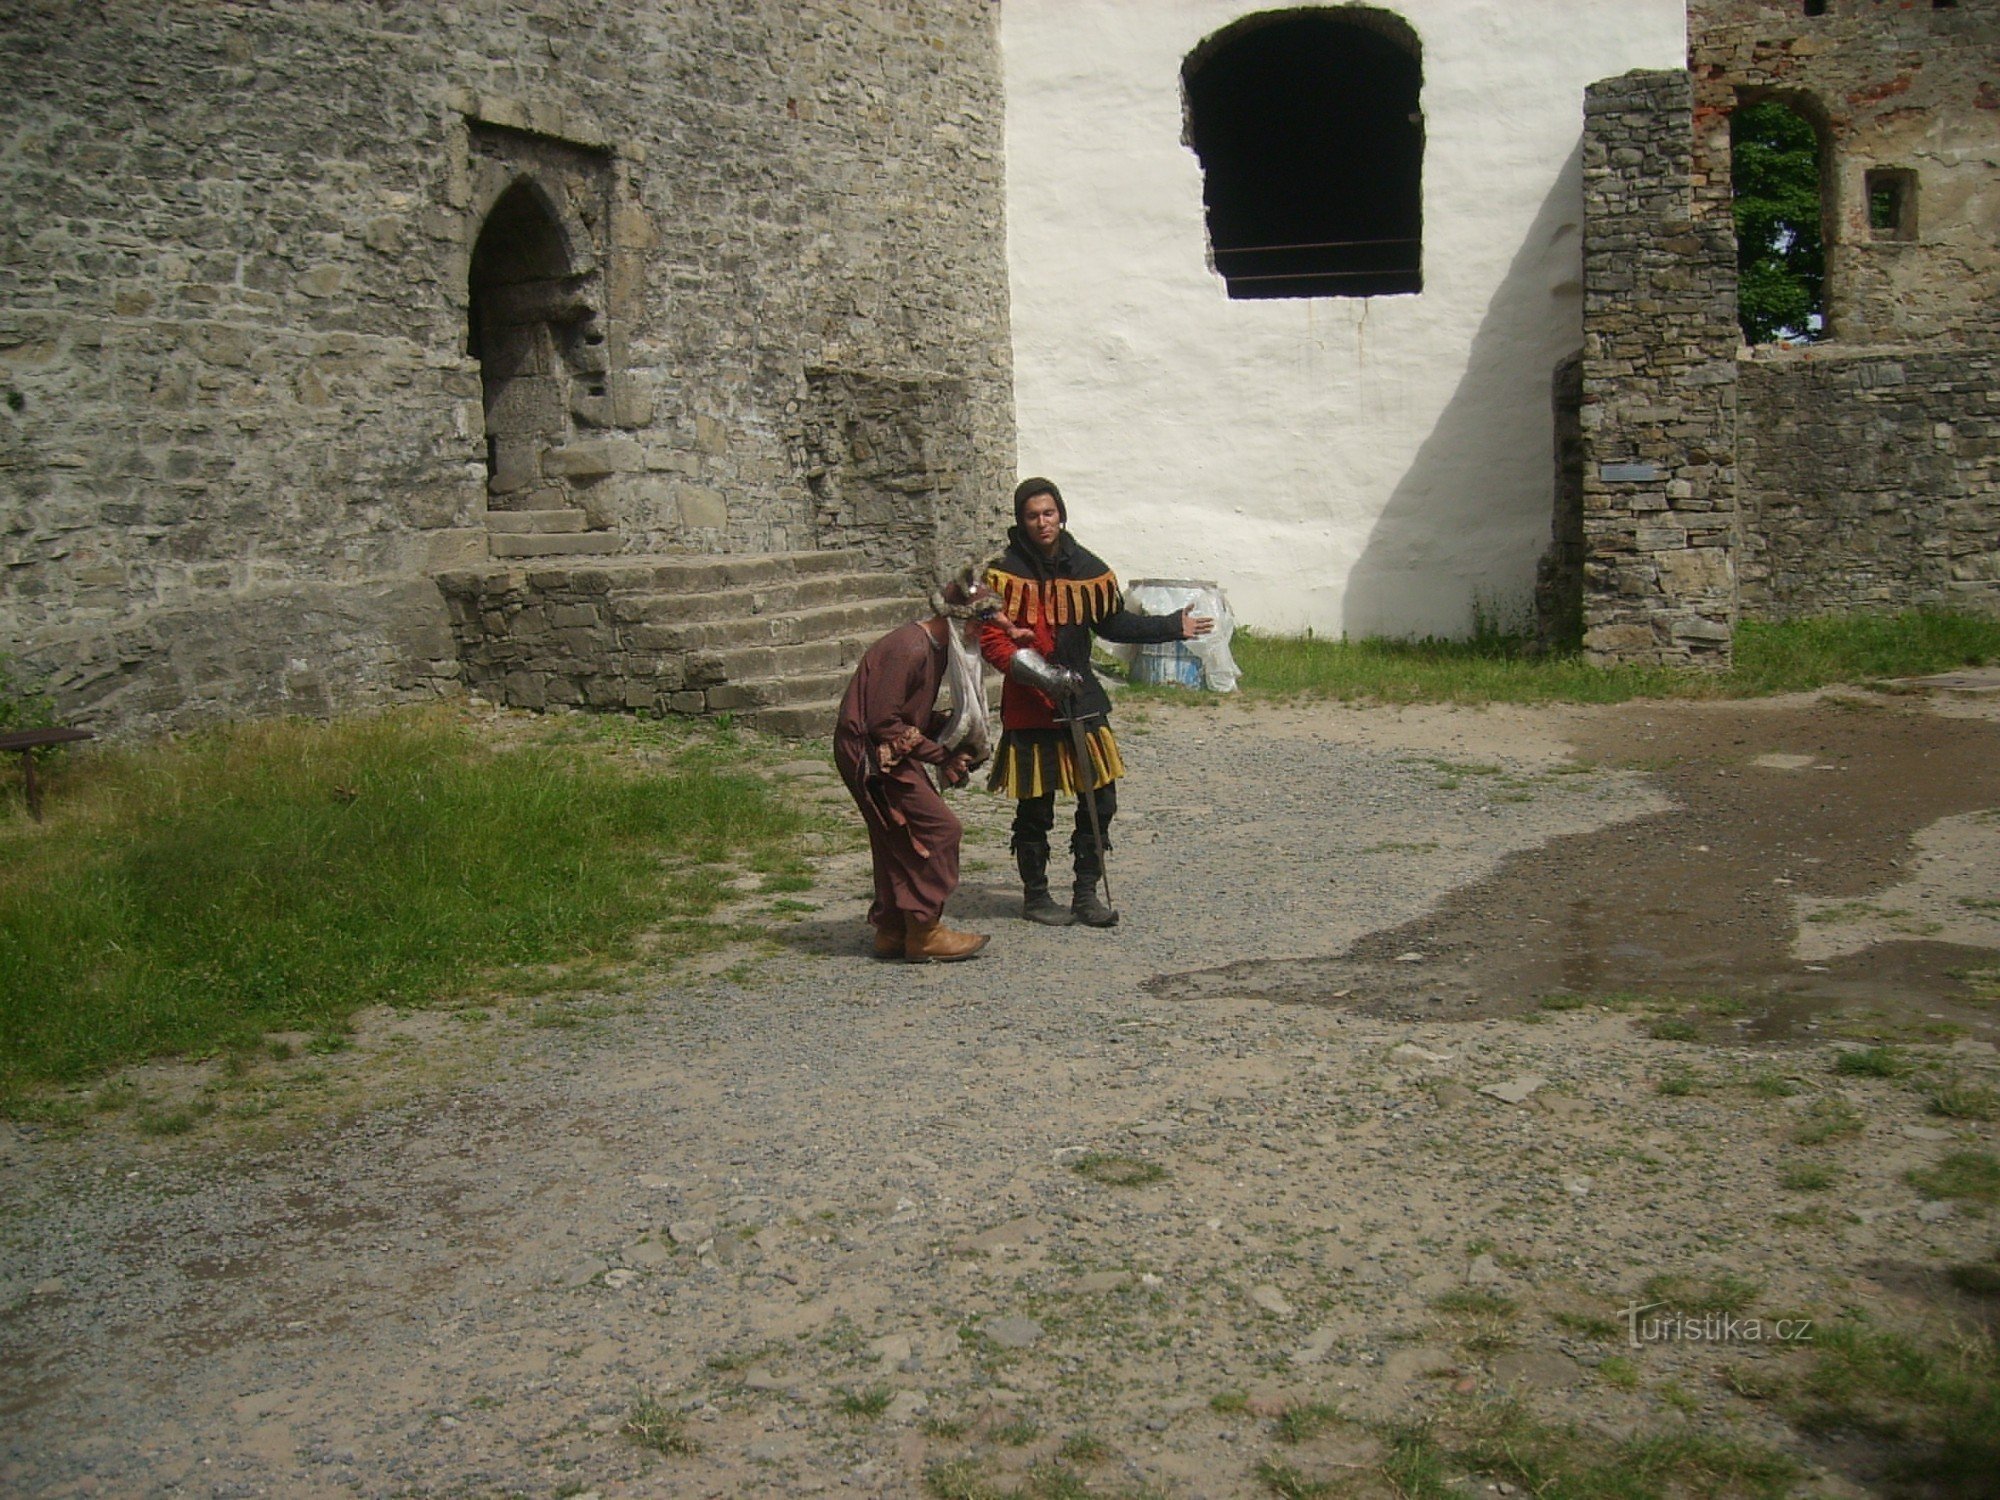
point(1892, 87)
point(1869, 481)
point(1868, 469)
point(1659, 385)
point(241, 421)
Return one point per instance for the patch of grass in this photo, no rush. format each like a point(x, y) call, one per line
point(1084, 1448)
point(1826, 1120)
point(1678, 1083)
point(961, 1479)
point(191, 896)
point(1301, 1424)
point(1018, 1433)
point(1871, 1062)
point(178, 1120)
point(870, 1403)
point(1699, 1292)
point(652, 1425)
point(1673, 1029)
point(1416, 1467)
point(1970, 1175)
point(946, 1429)
point(1288, 1483)
point(1474, 1302)
point(1588, 1325)
point(1981, 1279)
point(1554, 1462)
point(1117, 1171)
point(1938, 1407)
point(1229, 1403)
point(1805, 1177)
point(1619, 1373)
point(1497, 667)
point(1963, 1101)
point(1769, 1083)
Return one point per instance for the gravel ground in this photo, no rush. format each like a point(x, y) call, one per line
point(800, 1222)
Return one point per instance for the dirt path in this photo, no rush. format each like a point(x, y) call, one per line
point(1304, 1132)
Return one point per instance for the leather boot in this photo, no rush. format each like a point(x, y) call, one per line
point(935, 943)
point(1084, 902)
point(889, 941)
point(1033, 860)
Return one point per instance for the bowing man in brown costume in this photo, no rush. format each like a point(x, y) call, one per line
point(888, 733)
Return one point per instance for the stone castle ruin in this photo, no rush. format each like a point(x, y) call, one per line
point(621, 354)
point(630, 355)
point(1861, 471)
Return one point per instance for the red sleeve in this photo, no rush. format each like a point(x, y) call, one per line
point(997, 647)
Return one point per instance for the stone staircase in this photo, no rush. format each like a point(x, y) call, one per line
point(770, 639)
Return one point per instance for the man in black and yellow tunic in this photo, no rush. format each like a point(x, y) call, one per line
point(1064, 595)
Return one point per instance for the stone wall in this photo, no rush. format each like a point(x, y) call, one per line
point(1891, 88)
point(242, 417)
point(1659, 385)
point(1870, 480)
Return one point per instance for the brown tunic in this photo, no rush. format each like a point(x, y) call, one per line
point(913, 836)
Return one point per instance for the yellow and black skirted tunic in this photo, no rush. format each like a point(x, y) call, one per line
point(1065, 600)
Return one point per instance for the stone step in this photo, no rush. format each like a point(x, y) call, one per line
point(537, 522)
point(796, 721)
point(867, 618)
point(777, 692)
point(836, 653)
point(656, 574)
point(775, 597)
point(581, 544)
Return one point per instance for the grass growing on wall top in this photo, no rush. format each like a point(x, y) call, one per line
point(1779, 657)
point(189, 897)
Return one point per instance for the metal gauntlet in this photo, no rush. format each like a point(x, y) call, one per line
point(1037, 671)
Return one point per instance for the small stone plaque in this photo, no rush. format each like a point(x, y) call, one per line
point(1628, 473)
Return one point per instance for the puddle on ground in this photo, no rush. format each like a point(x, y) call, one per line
point(1823, 802)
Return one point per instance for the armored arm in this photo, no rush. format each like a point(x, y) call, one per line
point(1037, 671)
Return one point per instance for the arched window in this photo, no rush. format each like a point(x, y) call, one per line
point(538, 343)
point(1776, 173)
point(1310, 132)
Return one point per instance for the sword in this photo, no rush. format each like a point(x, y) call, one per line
point(1086, 789)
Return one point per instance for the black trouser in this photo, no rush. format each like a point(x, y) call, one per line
point(1035, 819)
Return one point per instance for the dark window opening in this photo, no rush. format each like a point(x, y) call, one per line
point(1775, 169)
point(1944, 4)
point(1815, 7)
point(1892, 203)
point(1310, 134)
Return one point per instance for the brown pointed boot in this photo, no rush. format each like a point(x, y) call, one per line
point(935, 943)
point(889, 941)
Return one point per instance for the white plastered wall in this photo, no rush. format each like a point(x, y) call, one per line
point(1361, 466)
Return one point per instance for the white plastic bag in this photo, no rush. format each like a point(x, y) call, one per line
point(1202, 662)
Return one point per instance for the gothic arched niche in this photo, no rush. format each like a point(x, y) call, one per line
point(1309, 127)
point(537, 338)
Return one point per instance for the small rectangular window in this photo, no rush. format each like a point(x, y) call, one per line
point(1815, 7)
point(1892, 203)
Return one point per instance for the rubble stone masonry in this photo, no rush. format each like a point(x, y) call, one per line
point(752, 299)
point(1870, 459)
point(1659, 386)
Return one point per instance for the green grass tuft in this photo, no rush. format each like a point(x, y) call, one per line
point(1971, 1175)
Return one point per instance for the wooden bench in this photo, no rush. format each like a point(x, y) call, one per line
point(28, 741)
